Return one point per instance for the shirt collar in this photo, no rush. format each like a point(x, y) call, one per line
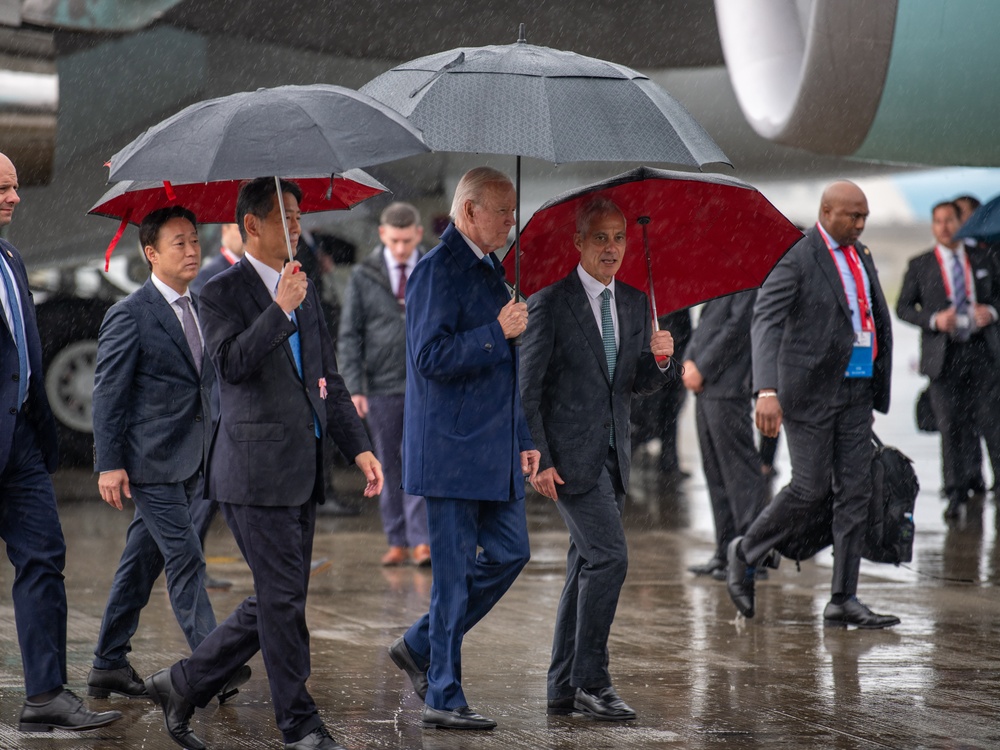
point(829, 240)
point(170, 295)
point(475, 248)
point(592, 286)
point(947, 252)
point(391, 262)
point(268, 275)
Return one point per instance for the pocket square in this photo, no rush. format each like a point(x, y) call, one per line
point(982, 273)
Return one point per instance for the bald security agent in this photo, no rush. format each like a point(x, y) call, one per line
point(822, 361)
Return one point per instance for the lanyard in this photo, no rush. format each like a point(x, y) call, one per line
point(854, 265)
point(228, 255)
point(946, 274)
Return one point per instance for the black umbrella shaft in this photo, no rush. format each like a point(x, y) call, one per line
point(644, 221)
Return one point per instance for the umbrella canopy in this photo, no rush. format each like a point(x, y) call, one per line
point(288, 131)
point(524, 100)
point(215, 202)
point(984, 224)
point(708, 236)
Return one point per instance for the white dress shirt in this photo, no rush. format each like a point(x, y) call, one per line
point(171, 296)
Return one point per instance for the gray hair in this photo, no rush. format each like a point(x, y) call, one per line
point(587, 211)
point(473, 184)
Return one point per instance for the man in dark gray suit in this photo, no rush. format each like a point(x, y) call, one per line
point(371, 351)
point(151, 435)
point(589, 349)
point(822, 360)
point(717, 370)
point(281, 398)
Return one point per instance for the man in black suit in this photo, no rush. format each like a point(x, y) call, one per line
point(281, 397)
point(29, 522)
point(822, 360)
point(152, 422)
point(952, 293)
point(589, 349)
point(717, 368)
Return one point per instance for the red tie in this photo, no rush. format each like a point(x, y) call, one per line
point(401, 288)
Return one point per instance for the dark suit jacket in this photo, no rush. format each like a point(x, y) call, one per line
point(210, 270)
point(151, 408)
point(464, 427)
point(802, 333)
point(924, 294)
point(569, 399)
point(264, 452)
point(37, 404)
point(720, 346)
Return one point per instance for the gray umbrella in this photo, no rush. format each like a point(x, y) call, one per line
point(290, 131)
point(524, 100)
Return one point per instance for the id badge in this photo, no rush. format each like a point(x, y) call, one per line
point(860, 365)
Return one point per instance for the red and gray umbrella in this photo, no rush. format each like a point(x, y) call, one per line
point(287, 131)
point(524, 100)
point(215, 202)
point(690, 237)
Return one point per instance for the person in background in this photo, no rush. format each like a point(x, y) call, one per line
point(371, 353)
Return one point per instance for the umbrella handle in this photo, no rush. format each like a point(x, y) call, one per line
point(644, 223)
point(284, 219)
point(516, 341)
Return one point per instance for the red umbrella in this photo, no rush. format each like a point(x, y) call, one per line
point(215, 202)
point(704, 236)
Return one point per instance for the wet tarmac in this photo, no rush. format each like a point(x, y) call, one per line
point(697, 675)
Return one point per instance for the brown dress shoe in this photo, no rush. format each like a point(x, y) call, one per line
point(396, 556)
point(422, 555)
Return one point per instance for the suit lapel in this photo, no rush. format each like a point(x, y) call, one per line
point(579, 304)
point(826, 263)
point(167, 318)
point(263, 299)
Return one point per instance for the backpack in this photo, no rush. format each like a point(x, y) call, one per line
point(890, 529)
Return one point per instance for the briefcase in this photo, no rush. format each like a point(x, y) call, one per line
point(926, 421)
point(890, 530)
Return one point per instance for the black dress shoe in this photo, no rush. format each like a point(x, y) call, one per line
point(603, 704)
point(706, 569)
point(853, 612)
point(65, 711)
point(739, 580)
point(400, 654)
point(462, 717)
point(122, 681)
point(955, 507)
point(560, 706)
point(177, 712)
point(232, 686)
point(317, 739)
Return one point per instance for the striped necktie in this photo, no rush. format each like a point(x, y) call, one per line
point(17, 333)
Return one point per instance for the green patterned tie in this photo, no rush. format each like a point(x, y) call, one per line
point(610, 350)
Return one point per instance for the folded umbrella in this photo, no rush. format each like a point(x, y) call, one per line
point(215, 202)
point(690, 237)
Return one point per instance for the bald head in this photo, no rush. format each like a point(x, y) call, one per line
point(843, 211)
point(8, 190)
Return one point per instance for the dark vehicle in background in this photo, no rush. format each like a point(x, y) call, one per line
point(70, 304)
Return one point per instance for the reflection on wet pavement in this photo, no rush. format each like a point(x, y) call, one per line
point(698, 676)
